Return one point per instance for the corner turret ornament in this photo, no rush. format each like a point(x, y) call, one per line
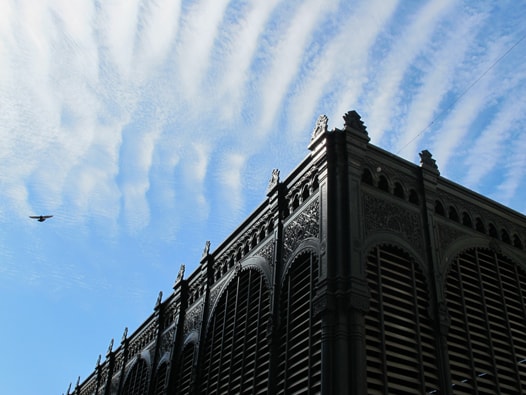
point(426, 160)
point(353, 120)
point(274, 180)
point(320, 127)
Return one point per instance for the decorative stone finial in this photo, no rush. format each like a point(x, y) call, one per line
point(78, 382)
point(426, 160)
point(69, 389)
point(124, 335)
point(159, 299)
point(274, 180)
point(320, 127)
point(206, 250)
point(353, 120)
point(180, 275)
point(110, 347)
point(98, 361)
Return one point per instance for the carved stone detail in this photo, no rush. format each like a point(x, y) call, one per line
point(214, 294)
point(206, 250)
point(427, 161)
point(353, 120)
point(447, 235)
point(193, 319)
point(382, 215)
point(305, 225)
point(274, 180)
point(267, 252)
point(320, 127)
point(167, 341)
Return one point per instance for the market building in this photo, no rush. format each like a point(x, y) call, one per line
point(360, 273)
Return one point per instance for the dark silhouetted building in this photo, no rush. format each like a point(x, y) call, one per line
point(360, 273)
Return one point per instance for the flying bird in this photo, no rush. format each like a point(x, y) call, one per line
point(40, 218)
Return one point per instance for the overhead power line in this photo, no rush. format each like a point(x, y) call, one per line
point(466, 90)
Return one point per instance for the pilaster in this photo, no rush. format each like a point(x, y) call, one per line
point(438, 308)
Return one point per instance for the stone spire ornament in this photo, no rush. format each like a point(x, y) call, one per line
point(320, 127)
point(427, 161)
point(274, 180)
point(353, 120)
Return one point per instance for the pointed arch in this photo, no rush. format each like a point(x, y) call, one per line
point(236, 351)
point(136, 382)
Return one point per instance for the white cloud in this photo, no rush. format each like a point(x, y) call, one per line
point(387, 87)
point(458, 122)
point(198, 30)
point(514, 168)
point(339, 78)
point(286, 57)
point(439, 73)
point(242, 44)
point(156, 37)
point(488, 150)
point(116, 26)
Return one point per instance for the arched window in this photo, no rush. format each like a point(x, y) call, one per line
point(453, 215)
point(493, 231)
point(466, 220)
point(367, 177)
point(413, 197)
point(315, 185)
point(517, 242)
point(295, 202)
point(137, 380)
point(439, 209)
point(305, 193)
point(399, 190)
point(236, 353)
point(505, 237)
point(383, 184)
point(400, 346)
point(486, 343)
point(299, 365)
point(479, 225)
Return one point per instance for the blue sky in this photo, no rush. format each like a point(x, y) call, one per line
point(148, 127)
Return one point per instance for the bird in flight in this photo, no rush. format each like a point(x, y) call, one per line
point(40, 218)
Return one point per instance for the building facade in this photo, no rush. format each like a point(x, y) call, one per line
point(360, 273)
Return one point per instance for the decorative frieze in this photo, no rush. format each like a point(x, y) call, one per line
point(382, 215)
point(193, 319)
point(167, 340)
point(304, 225)
point(267, 252)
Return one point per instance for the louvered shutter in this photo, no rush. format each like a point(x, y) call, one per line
point(236, 354)
point(299, 368)
point(486, 340)
point(400, 346)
